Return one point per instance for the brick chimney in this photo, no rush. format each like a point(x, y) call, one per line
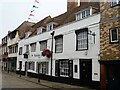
point(84, 2)
point(71, 4)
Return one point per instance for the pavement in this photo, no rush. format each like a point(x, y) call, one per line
point(47, 84)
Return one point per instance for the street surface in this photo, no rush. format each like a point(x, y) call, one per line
point(12, 81)
point(15, 82)
point(0, 75)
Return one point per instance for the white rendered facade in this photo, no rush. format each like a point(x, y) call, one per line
point(69, 47)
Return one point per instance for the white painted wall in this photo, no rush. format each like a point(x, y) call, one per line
point(11, 42)
point(69, 45)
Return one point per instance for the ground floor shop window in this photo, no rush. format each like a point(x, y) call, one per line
point(43, 67)
point(31, 65)
point(64, 68)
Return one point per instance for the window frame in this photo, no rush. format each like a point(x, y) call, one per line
point(64, 67)
point(20, 50)
point(110, 35)
point(41, 49)
point(31, 47)
point(30, 66)
point(27, 48)
point(58, 37)
point(83, 13)
point(76, 68)
point(113, 4)
point(77, 32)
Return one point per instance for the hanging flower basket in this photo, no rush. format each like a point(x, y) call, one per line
point(46, 52)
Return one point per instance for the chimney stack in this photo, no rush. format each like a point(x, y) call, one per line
point(84, 2)
point(71, 4)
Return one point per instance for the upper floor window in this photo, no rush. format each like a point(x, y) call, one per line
point(59, 44)
point(40, 30)
point(84, 13)
point(49, 26)
point(43, 45)
point(114, 35)
point(33, 47)
point(12, 34)
point(26, 35)
point(16, 49)
point(27, 48)
point(82, 39)
point(114, 2)
point(20, 51)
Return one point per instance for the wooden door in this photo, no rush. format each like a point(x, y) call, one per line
point(86, 71)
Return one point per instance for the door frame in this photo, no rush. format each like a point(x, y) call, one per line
point(81, 69)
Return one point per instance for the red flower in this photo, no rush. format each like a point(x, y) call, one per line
point(46, 52)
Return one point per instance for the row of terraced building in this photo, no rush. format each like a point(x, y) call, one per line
point(80, 46)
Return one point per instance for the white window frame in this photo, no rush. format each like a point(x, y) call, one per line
point(26, 35)
point(114, 2)
point(39, 30)
point(79, 15)
point(59, 44)
point(49, 26)
point(111, 35)
point(43, 67)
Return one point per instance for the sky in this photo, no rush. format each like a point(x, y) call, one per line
point(14, 12)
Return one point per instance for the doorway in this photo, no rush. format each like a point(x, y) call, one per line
point(86, 71)
point(113, 76)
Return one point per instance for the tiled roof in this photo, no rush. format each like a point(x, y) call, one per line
point(66, 17)
point(25, 27)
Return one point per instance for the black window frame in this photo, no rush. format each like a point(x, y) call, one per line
point(77, 32)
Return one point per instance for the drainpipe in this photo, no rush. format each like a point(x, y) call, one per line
point(52, 50)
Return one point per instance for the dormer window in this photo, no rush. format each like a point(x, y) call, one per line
point(49, 26)
point(40, 30)
point(26, 35)
point(83, 13)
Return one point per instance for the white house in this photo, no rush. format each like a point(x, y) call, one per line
point(12, 43)
point(76, 46)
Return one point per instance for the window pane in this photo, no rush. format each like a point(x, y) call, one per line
point(64, 68)
point(114, 35)
point(82, 40)
point(33, 47)
point(59, 44)
point(43, 45)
